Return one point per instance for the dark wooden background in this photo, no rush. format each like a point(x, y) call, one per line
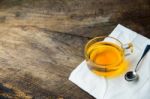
point(42, 41)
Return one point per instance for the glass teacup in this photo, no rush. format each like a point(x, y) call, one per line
point(105, 56)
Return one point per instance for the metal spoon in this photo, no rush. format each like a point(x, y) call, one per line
point(132, 75)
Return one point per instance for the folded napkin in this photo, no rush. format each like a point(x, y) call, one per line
point(118, 88)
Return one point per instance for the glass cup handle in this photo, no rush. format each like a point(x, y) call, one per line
point(128, 48)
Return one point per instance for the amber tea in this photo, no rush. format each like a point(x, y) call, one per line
point(105, 58)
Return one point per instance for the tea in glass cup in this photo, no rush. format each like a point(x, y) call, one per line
point(106, 58)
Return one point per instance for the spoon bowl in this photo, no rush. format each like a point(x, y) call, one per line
point(131, 76)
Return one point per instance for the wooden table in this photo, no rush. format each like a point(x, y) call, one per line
point(42, 41)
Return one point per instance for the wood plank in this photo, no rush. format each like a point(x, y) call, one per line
point(38, 63)
point(88, 18)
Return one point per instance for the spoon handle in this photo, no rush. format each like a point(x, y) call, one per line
point(144, 53)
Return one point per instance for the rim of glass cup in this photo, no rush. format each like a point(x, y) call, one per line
point(103, 65)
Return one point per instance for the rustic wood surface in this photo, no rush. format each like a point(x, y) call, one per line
point(42, 41)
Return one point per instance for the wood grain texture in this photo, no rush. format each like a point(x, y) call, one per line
point(42, 41)
point(39, 63)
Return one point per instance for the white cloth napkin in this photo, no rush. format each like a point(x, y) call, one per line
point(118, 88)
